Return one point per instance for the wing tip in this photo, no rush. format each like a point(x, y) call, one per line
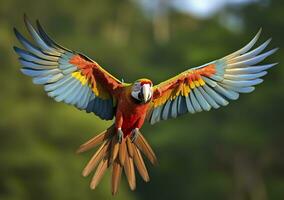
point(273, 64)
point(260, 31)
point(16, 49)
point(16, 32)
point(27, 21)
point(19, 36)
point(256, 37)
point(269, 40)
point(275, 49)
point(258, 81)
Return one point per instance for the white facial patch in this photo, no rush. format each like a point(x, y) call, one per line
point(143, 92)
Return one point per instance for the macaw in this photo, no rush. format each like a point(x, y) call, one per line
point(73, 78)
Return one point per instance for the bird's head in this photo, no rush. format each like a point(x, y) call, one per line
point(142, 90)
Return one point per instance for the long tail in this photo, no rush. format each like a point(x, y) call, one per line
point(120, 156)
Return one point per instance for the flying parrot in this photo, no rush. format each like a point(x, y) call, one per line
point(73, 78)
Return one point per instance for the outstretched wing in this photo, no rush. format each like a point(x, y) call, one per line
point(211, 85)
point(67, 76)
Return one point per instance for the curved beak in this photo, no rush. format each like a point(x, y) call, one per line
point(146, 92)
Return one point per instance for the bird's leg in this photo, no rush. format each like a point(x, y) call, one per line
point(119, 135)
point(134, 134)
point(118, 124)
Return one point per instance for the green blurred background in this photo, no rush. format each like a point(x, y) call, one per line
point(233, 153)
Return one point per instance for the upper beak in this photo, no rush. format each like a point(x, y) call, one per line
point(146, 92)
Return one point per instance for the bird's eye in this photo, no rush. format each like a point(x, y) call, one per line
point(136, 87)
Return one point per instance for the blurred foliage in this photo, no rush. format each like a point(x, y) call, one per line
point(232, 153)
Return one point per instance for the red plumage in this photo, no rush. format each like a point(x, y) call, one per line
point(129, 114)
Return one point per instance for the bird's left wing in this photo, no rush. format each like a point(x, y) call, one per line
point(67, 76)
point(211, 85)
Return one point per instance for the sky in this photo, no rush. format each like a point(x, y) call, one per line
point(198, 8)
point(205, 8)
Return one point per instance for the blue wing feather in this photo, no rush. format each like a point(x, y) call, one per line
point(208, 98)
point(174, 111)
point(166, 110)
point(189, 105)
point(203, 103)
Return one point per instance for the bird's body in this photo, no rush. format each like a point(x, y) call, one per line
point(77, 80)
point(130, 113)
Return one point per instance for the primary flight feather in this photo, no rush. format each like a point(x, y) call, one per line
point(75, 79)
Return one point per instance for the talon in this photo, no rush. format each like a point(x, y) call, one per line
point(134, 134)
point(119, 135)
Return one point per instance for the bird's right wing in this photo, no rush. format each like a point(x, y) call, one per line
point(67, 76)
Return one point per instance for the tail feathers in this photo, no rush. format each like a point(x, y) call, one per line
point(96, 140)
point(121, 156)
point(138, 160)
point(100, 154)
point(99, 174)
point(142, 144)
point(129, 171)
point(116, 175)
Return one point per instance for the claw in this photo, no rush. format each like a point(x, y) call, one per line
point(119, 135)
point(134, 134)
